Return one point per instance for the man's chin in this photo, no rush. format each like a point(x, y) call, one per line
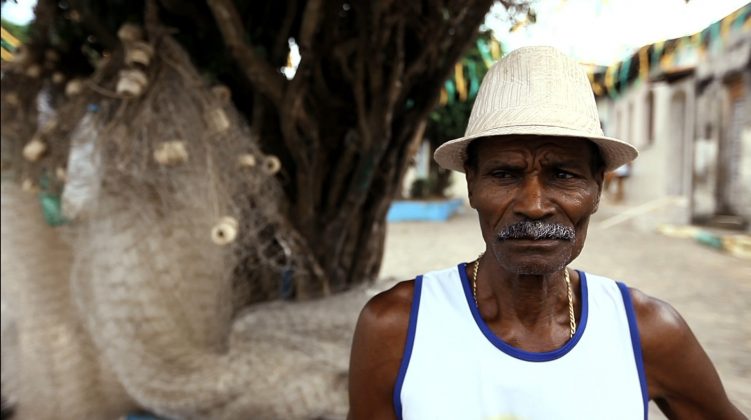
point(535, 259)
point(536, 270)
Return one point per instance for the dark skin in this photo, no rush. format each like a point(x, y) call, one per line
point(521, 290)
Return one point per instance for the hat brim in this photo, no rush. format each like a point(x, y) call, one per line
point(453, 153)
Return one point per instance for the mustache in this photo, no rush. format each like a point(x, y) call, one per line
point(536, 230)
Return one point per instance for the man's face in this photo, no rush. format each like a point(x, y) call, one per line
point(534, 196)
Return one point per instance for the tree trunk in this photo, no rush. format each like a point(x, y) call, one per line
point(369, 74)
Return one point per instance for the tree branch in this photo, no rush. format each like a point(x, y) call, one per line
point(344, 54)
point(308, 54)
point(467, 19)
point(282, 36)
point(397, 72)
point(258, 71)
point(310, 24)
point(358, 86)
point(293, 114)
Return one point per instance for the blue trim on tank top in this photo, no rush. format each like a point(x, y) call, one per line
point(397, 397)
point(518, 353)
point(635, 343)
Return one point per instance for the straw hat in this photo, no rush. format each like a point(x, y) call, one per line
point(535, 91)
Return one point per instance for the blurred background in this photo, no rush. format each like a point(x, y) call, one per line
point(198, 198)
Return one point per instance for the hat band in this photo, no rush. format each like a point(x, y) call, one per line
point(580, 122)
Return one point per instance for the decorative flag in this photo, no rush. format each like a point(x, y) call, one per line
point(495, 49)
point(623, 74)
point(461, 84)
point(644, 63)
point(484, 52)
point(450, 91)
point(8, 37)
point(444, 99)
point(474, 82)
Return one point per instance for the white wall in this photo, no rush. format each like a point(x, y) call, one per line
point(663, 167)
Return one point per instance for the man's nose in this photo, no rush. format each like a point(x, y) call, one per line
point(532, 200)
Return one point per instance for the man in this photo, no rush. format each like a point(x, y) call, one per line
point(618, 176)
point(516, 334)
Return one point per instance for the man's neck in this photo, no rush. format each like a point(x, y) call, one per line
point(524, 310)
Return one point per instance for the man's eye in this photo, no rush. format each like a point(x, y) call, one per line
point(501, 174)
point(563, 175)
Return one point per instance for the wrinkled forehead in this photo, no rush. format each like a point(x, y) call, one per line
point(564, 148)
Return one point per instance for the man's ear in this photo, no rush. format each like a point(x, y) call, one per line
point(597, 202)
point(470, 177)
point(600, 179)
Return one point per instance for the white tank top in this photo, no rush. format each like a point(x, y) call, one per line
point(454, 367)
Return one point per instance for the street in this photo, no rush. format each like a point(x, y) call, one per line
point(712, 290)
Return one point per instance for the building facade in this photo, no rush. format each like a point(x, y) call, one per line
point(686, 104)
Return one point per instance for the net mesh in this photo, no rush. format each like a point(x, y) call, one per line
point(141, 299)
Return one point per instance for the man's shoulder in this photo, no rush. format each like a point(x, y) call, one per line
point(661, 328)
point(679, 372)
point(399, 294)
point(377, 349)
point(660, 325)
point(389, 311)
point(390, 308)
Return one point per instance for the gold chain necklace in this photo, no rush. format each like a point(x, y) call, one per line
point(571, 317)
